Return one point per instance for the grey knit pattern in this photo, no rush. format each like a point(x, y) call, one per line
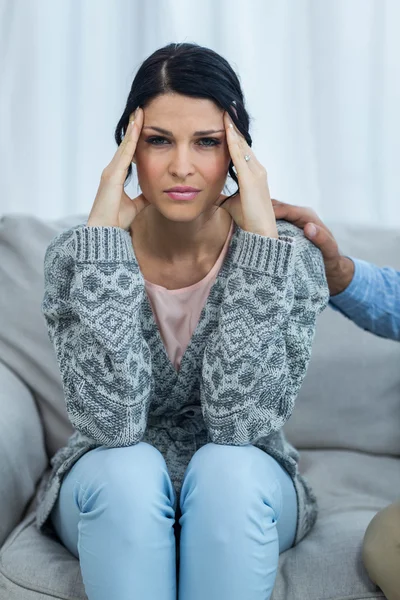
point(240, 373)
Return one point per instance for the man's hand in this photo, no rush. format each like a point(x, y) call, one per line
point(339, 269)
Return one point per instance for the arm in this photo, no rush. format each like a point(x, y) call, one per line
point(257, 357)
point(371, 299)
point(363, 292)
point(93, 293)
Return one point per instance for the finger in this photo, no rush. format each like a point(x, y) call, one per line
point(124, 154)
point(322, 239)
point(233, 143)
point(132, 133)
point(299, 215)
point(253, 165)
point(238, 148)
point(314, 229)
point(125, 138)
point(239, 140)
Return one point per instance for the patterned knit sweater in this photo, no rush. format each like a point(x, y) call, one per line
point(240, 373)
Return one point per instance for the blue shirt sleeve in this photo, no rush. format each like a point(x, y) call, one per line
point(372, 299)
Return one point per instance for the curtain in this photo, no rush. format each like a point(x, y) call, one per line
point(320, 78)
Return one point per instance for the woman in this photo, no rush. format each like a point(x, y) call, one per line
point(182, 324)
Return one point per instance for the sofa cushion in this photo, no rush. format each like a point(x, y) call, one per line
point(33, 562)
point(22, 453)
point(351, 487)
point(24, 344)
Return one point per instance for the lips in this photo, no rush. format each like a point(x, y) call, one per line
point(183, 195)
point(182, 189)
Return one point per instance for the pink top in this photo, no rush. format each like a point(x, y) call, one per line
point(177, 312)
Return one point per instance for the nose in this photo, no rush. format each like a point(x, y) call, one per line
point(181, 164)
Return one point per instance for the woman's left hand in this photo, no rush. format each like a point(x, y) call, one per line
point(252, 208)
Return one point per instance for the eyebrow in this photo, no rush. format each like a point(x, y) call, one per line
point(166, 132)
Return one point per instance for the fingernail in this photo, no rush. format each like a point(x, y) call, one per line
point(311, 231)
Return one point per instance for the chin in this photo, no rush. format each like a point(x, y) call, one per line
point(182, 215)
point(175, 210)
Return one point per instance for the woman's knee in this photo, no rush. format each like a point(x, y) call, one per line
point(136, 472)
point(240, 470)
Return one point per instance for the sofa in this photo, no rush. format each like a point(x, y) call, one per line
point(346, 426)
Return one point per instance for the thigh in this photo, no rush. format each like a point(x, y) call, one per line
point(286, 524)
point(277, 477)
point(108, 477)
point(66, 512)
point(115, 513)
point(234, 470)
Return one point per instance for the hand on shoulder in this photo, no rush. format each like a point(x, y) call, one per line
point(339, 269)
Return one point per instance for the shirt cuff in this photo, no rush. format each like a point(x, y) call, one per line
point(348, 300)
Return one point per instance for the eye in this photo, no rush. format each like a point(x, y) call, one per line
point(155, 141)
point(214, 142)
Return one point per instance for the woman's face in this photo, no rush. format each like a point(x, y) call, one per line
point(180, 156)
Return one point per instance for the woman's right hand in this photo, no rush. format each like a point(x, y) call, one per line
point(112, 206)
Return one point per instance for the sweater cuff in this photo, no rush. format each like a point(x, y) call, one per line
point(270, 256)
point(103, 243)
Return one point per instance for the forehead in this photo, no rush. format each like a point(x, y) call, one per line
point(183, 110)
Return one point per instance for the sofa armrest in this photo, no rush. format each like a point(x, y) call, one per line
point(22, 451)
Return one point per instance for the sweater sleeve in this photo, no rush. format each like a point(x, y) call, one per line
point(93, 292)
point(257, 357)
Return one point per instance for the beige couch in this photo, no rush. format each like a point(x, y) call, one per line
point(346, 426)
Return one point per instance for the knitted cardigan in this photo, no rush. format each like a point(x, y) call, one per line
point(239, 375)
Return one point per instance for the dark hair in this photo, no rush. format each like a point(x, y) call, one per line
point(190, 70)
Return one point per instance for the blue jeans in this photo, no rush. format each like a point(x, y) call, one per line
point(116, 513)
